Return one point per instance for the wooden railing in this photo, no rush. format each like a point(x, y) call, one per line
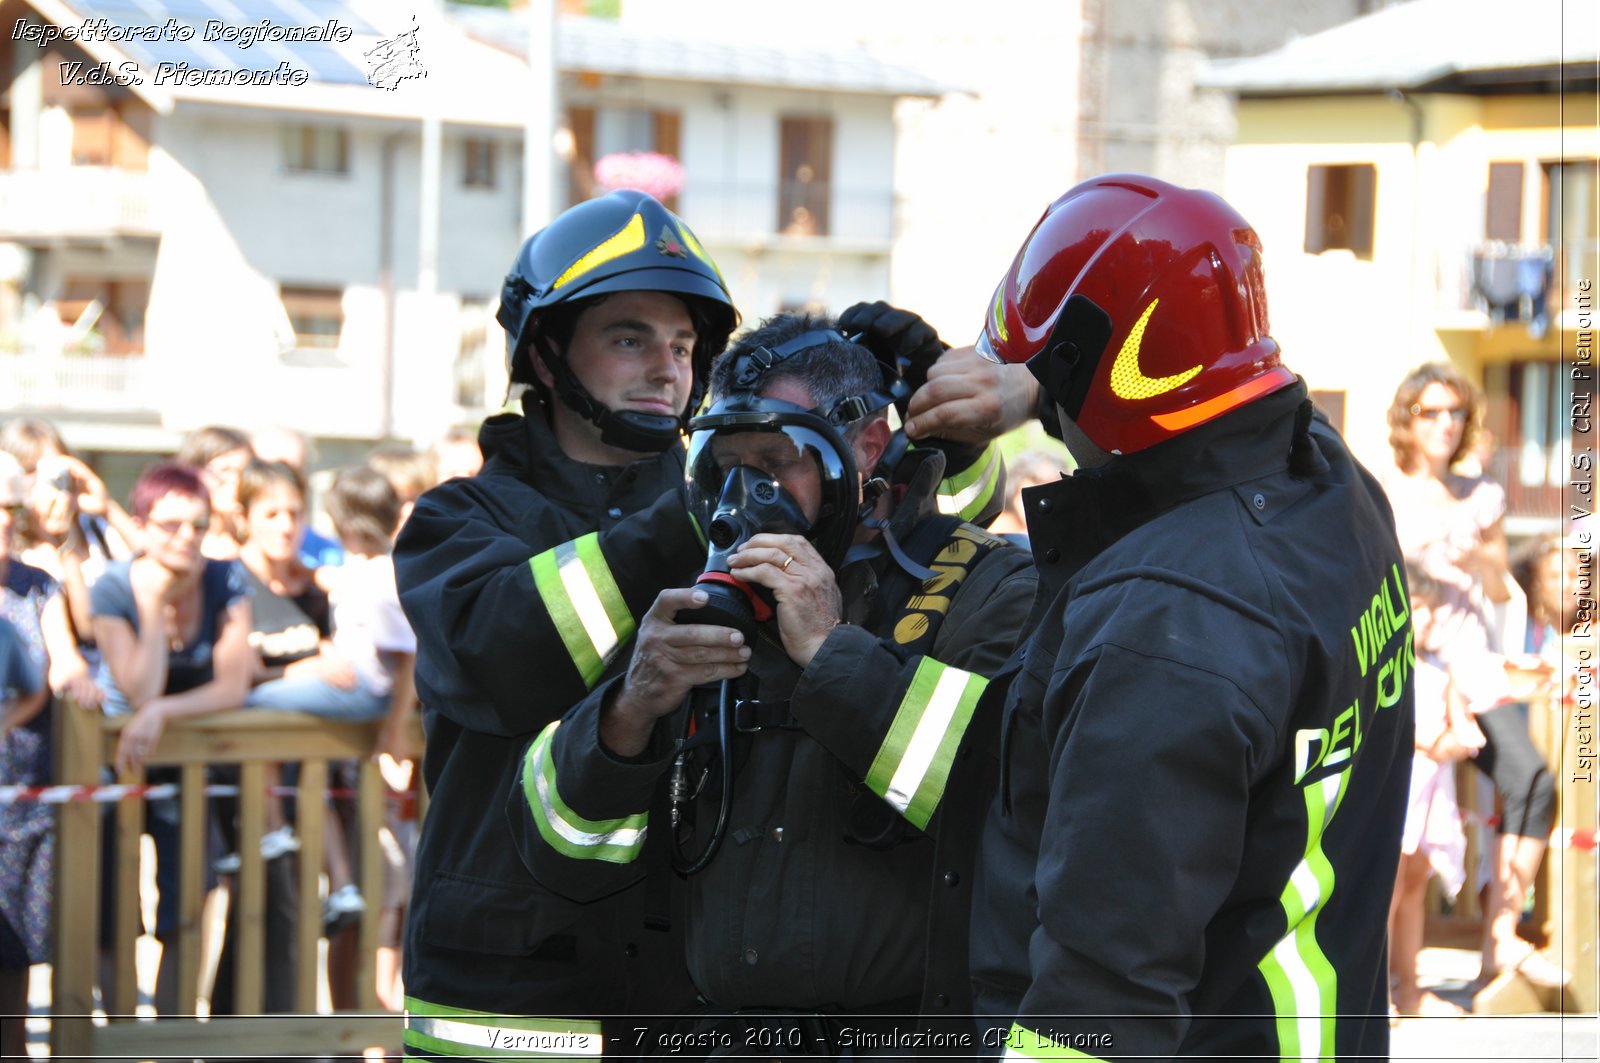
point(1565, 908)
point(85, 741)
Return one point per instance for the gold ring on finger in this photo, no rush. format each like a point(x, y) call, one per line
point(787, 561)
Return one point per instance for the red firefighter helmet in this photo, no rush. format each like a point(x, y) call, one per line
point(1140, 307)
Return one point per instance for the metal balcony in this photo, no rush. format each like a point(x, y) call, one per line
point(75, 203)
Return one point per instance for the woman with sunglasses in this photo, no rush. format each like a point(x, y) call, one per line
point(1451, 525)
point(174, 634)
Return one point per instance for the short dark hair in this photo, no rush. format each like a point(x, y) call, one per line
point(364, 506)
point(829, 371)
point(166, 478)
point(408, 470)
point(203, 445)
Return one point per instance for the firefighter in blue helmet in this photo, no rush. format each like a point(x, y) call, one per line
point(523, 584)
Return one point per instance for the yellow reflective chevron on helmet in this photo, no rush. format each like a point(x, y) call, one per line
point(1128, 380)
point(700, 252)
point(998, 313)
point(625, 241)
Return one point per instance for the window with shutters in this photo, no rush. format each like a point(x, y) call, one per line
point(1340, 207)
point(601, 131)
point(1503, 203)
point(1528, 413)
point(477, 163)
point(805, 175)
point(316, 313)
point(316, 149)
point(1571, 223)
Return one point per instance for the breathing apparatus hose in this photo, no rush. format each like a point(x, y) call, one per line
point(680, 791)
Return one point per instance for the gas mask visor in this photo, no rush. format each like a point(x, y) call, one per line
point(807, 463)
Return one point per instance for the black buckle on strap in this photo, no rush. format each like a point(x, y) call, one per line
point(751, 715)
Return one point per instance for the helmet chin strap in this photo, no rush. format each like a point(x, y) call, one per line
point(872, 490)
point(642, 433)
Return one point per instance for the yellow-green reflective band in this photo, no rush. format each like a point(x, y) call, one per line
point(584, 602)
point(1303, 983)
point(458, 1033)
point(699, 252)
point(624, 241)
point(913, 764)
point(1023, 1043)
point(968, 491)
point(616, 841)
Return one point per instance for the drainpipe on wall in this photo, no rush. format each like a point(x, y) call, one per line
point(538, 187)
point(1400, 95)
point(27, 102)
point(386, 224)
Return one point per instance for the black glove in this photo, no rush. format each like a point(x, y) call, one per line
point(896, 336)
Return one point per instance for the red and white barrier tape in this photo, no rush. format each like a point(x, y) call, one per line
point(1566, 838)
point(61, 795)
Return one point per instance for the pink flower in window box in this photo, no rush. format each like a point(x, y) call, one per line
point(646, 171)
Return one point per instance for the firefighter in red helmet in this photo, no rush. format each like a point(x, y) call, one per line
point(1208, 735)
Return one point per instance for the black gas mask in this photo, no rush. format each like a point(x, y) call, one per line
point(750, 502)
point(740, 454)
point(755, 465)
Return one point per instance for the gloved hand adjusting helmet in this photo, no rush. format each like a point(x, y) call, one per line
point(1141, 308)
point(622, 242)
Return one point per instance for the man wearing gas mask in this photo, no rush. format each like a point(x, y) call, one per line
point(526, 585)
point(819, 805)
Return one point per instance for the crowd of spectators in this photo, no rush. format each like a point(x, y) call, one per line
point(210, 591)
point(1485, 646)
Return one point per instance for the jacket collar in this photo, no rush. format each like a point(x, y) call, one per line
point(523, 445)
point(1071, 521)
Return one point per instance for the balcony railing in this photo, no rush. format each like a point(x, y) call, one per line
point(1532, 477)
point(75, 202)
point(1527, 284)
point(76, 382)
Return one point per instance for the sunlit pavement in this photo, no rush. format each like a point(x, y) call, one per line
point(1451, 974)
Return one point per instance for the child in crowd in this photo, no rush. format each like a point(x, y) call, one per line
point(408, 470)
point(369, 630)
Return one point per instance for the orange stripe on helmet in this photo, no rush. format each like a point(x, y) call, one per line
point(1205, 411)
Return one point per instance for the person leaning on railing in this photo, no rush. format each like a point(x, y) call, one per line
point(174, 634)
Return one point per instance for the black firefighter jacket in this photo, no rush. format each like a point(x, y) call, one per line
point(791, 913)
point(1206, 748)
point(524, 585)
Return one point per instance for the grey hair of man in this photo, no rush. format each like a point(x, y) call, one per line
point(829, 371)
